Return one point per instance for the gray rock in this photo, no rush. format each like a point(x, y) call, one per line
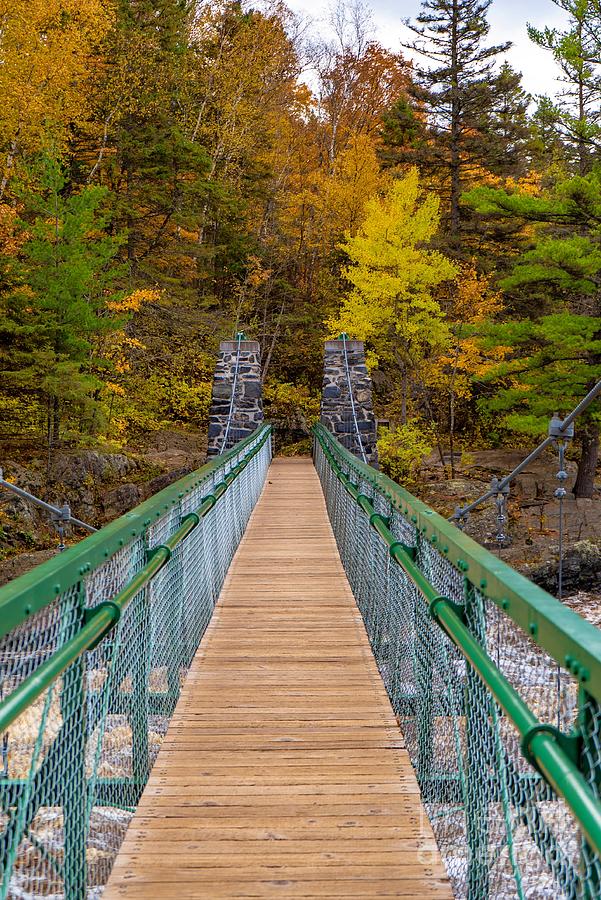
point(222, 390)
point(71, 469)
point(581, 570)
point(120, 500)
point(252, 390)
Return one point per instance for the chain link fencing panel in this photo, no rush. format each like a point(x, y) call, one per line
point(75, 762)
point(501, 829)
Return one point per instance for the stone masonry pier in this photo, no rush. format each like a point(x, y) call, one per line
point(336, 406)
point(237, 372)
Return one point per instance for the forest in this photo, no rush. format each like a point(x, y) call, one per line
point(174, 171)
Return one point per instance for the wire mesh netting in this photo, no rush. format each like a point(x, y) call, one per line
point(501, 830)
point(75, 762)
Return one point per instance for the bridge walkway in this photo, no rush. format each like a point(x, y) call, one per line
point(283, 772)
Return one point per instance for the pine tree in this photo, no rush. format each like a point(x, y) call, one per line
point(548, 148)
point(577, 51)
point(506, 125)
point(560, 276)
point(403, 135)
point(452, 36)
point(555, 360)
point(153, 167)
point(58, 298)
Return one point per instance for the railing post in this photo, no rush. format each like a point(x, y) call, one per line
point(236, 405)
point(140, 636)
point(479, 759)
point(346, 399)
point(590, 765)
point(423, 686)
point(73, 768)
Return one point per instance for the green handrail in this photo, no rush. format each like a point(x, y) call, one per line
point(104, 617)
point(36, 589)
point(572, 642)
point(543, 745)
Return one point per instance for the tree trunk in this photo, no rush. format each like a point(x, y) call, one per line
point(56, 421)
point(452, 434)
point(404, 395)
point(455, 160)
point(582, 116)
point(587, 464)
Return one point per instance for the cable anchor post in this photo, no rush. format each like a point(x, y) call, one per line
point(561, 435)
point(461, 518)
point(501, 495)
point(60, 519)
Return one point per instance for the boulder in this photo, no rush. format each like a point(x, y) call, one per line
point(72, 469)
point(581, 569)
point(120, 500)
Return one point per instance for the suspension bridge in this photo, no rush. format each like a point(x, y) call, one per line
point(290, 677)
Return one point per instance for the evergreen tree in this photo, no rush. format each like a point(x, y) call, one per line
point(404, 135)
point(452, 36)
point(154, 169)
point(560, 275)
point(59, 298)
point(548, 149)
point(506, 126)
point(556, 359)
point(577, 51)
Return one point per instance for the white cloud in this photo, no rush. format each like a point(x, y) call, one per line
point(508, 20)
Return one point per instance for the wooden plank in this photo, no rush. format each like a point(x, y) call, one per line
point(283, 772)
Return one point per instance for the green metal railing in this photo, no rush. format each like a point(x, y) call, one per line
point(497, 687)
point(94, 647)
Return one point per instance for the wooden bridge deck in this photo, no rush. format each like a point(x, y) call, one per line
point(283, 772)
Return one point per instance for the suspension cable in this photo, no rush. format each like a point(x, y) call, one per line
point(58, 513)
point(240, 336)
point(343, 337)
point(461, 512)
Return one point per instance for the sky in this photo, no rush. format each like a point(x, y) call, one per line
point(508, 20)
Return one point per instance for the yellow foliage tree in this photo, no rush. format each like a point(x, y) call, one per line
point(330, 200)
point(45, 52)
point(393, 275)
point(450, 374)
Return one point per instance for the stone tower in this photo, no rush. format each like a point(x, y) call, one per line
point(237, 395)
point(337, 413)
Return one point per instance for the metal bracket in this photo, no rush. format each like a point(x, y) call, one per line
point(153, 552)
point(569, 743)
point(399, 545)
point(556, 431)
point(191, 515)
point(497, 486)
point(379, 518)
point(363, 500)
point(91, 612)
point(457, 609)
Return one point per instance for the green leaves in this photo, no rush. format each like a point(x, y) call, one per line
point(62, 282)
point(391, 271)
point(555, 360)
point(572, 264)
